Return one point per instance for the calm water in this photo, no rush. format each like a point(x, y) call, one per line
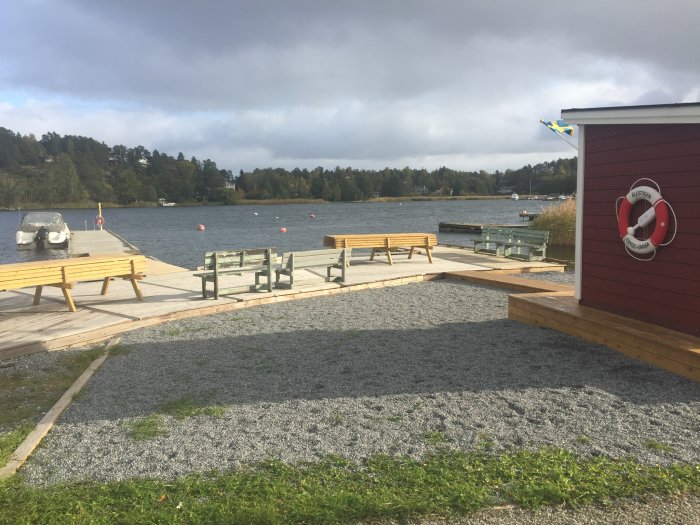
point(170, 234)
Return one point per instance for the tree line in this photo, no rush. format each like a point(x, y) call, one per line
point(73, 169)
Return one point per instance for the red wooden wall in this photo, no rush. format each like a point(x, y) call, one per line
point(665, 291)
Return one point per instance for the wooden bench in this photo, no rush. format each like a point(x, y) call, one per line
point(237, 262)
point(64, 273)
point(516, 243)
point(385, 242)
point(330, 259)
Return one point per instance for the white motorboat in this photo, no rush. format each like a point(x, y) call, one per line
point(515, 196)
point(42, 229)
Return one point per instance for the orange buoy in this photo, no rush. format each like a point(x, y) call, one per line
point(201, 227)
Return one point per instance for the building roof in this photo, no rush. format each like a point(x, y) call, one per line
point(652, 114)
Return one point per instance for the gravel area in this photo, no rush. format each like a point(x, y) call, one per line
point(396, 370)
point(557, 277)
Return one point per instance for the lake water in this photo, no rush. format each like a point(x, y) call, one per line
point(170, 233)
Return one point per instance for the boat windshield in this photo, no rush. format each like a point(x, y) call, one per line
point(33, 221)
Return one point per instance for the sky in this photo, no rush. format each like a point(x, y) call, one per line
point(361, 83)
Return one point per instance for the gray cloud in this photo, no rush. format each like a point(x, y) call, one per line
point(377, 82)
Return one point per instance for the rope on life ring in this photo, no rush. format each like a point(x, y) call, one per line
point(99, 220)
point(658, 213)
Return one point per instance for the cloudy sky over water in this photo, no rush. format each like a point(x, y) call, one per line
point(361, 83)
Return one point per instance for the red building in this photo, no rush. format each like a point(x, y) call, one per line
point(650, 272)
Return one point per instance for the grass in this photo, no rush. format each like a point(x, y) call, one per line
point(145, 428)
point(560, 221)
point(26, 396)
point(153, 425)
point(652, 444)
point(337, 491)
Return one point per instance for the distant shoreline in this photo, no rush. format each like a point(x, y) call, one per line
point(248, 202)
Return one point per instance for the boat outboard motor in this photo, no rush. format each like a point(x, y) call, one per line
point(42, 236)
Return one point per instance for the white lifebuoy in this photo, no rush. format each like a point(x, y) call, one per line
point(658, 212)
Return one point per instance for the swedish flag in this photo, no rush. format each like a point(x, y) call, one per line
point(559, 126)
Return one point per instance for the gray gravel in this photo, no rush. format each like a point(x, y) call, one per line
point(557, 277)
point(397, 370)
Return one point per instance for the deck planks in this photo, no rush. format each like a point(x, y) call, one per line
point(674, 351)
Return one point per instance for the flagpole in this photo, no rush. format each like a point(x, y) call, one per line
point(566, 140)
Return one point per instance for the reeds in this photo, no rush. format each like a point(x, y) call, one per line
point(561, 222)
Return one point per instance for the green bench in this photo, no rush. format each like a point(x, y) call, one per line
point(492, 240)
point(528, 245)
point(517, 243)
point(330, 259)
point(237, 262)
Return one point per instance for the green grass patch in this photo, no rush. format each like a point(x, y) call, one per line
point(189, 407)
point(652, 444)
point(153, 426)
point(435, 437)
point(25, 396)
point(9, 441)
point(145, 428)
point(336, 491)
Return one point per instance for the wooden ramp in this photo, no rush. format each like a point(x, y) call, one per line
point(674, 351)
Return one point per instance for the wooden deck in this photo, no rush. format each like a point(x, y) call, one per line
point(171, 293)
point(674, 351)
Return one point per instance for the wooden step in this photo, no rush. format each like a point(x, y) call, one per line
point(668, 349)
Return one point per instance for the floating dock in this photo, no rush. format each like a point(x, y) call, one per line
point(449, 227)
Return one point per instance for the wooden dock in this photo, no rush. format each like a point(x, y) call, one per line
point(98, 242)
point(450, 227)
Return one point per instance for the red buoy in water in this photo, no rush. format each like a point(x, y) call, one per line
point(201, 227)
point(283, 230)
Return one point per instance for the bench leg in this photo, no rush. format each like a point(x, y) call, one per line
point(137, 290)
point(37, 294)
point(105, 286)
point(410, 253)
point(69, 299)
point(204, 288)
point(388, 256)
point(428, 252)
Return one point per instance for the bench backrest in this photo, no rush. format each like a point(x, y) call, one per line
point(497, 234)
point(315, 258)
point(525, 235)
point(531, 236)
point(228, 259)
point(379, 240)
point(40, 273)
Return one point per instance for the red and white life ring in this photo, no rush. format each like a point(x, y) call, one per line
point(658, 211)
point(99, 220)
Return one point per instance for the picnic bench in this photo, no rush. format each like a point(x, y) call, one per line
point(236, 262)
point(330, 259)
point(65, 273)
point(517, 243)
point(385, 242)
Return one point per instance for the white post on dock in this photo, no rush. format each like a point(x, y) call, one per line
point(100, 220)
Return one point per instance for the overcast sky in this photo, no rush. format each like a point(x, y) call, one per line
point(367, 84)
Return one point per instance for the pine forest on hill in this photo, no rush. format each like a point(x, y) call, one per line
point(74, 170)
